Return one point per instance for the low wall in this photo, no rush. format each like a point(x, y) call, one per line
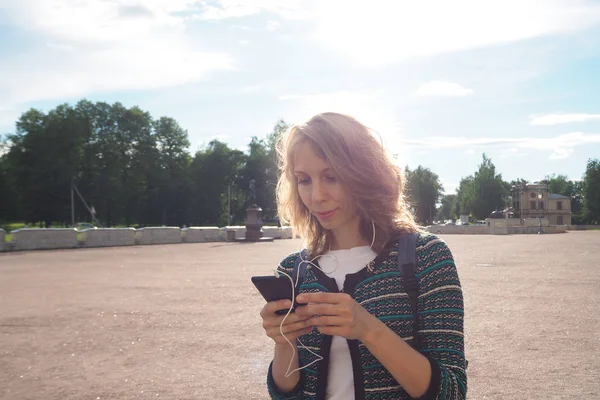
point(284, 232)
point(458, 229)
point(494, 229)
point(276, 232)
point(201, 234)
point(2, 240)
point(159, 235)
point(108, 237)
point(240, 232)
point(214, 234)
point(44, 239)
point(524, 230)
point(581, 227)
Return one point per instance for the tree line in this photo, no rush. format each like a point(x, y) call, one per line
point(135, 170)
point(485, 191)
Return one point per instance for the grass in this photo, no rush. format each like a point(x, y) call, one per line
point(12, 226)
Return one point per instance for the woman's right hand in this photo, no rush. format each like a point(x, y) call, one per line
point(293, 327)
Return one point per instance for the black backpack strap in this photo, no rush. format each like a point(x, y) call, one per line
point(407, 246)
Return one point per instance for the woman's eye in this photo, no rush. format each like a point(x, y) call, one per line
point(331, 179)
point(303, 181)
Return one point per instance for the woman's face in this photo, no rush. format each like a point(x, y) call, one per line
point(321, 191)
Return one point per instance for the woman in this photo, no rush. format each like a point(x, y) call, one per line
point(343, 195)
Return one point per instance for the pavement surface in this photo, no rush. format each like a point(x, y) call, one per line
point(181, 321)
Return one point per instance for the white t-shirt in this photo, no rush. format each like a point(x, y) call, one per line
point(337, 264)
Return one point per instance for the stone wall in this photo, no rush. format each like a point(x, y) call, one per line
point(240, 231)
point(201, 234)
point(524, 230)
point(497, 227)
point(53, 238)
point(581, 227)
point(39, 239)
point(458, 229)
point(284, 232)
point(159, 235)
point(108, 237)
point(44, 239)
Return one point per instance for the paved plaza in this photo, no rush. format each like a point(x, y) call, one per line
point(181, 321)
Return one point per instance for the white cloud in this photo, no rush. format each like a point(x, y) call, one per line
point(370, 107)
point(118, 46)
point(470, 152)
point(440, 88)
point(561, 146)
point(272, 25)
point(555, 119)
point(226, 9)
point(8, 116)
point(514, 152)
point(61, 47)
point(450, 188)
point(383, 31)
point(99, 21)
point(365, 105)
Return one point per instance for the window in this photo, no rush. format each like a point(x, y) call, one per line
point(532, 204)
point(559, 219)
point(532, 195)
point(559, 207)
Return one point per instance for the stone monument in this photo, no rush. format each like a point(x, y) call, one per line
point(254, 221)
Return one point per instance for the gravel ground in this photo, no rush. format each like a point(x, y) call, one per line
point(181, 321)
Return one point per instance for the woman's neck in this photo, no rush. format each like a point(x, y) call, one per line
point(348, 237)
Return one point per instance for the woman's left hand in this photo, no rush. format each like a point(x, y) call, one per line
point(336, 314)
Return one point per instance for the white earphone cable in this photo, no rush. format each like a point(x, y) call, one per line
point(294, 285)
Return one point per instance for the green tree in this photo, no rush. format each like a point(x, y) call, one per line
point(174, 161)
point(259, 167)
point(44, 158)
point(560, 184)
point(272, 173)
point(484, 192)
point(462, 205)
point(448, 207)
point(591, 192)
point(214, 171)
point(424, 191)
point(9, 205)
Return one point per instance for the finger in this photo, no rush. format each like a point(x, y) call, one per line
point(320, 309)
point(278, 320)
point(273, 306)
point(296, 326)
point(327, 320)
point(292, 335)
point(323, 297)
point(331, 330)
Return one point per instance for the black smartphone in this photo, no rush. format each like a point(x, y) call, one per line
point(272, 289)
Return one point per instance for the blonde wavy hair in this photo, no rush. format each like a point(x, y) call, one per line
point(365, 171)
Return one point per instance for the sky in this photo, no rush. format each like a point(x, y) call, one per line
point(441, 81)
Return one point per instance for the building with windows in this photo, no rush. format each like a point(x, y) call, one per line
point(534, 200)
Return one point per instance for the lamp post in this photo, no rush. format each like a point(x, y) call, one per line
point(540, 213)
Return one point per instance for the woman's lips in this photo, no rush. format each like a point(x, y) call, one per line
point(327, 214)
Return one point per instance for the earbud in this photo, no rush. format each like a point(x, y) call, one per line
point(373, 241)
point(276, 273)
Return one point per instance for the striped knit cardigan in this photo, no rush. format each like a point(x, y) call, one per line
point(380, 290)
